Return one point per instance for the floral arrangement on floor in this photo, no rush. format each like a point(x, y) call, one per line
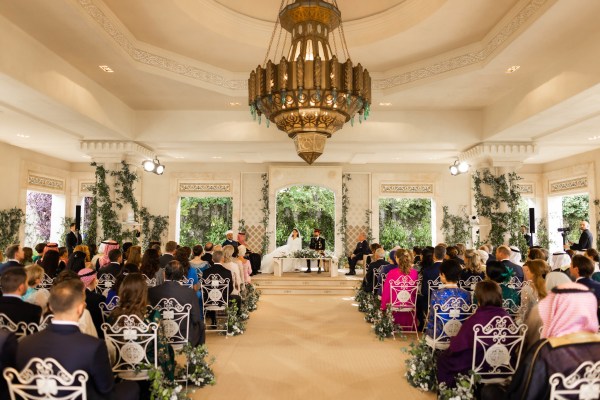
point(463, 390)
point(199, 371)
point(384, 323)
point(363, 299)
point(235, 325)
point(252, 297)
point(420, 366)
point(161, 388)
point(372, 310)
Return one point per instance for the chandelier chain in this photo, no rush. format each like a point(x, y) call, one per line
point(273, 34)
point(344, 44)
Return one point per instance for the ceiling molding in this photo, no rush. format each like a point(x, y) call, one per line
point(499, 154)
point(115, 151)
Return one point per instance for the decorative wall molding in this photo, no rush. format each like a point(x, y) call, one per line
point(114, 148)
point(499, 152)
point(86, 187)
point(195, 187)
point(406, 188)
point(45, 182)
point(525, 188)
point(569, 184)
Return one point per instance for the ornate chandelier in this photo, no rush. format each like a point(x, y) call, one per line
point(310, 94)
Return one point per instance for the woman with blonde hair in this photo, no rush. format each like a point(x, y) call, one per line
point(404, 260)
point(535, 290)
point(473, 265)
point(35, 275)
point(230, 264)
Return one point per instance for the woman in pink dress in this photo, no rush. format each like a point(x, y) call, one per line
point(405, 268)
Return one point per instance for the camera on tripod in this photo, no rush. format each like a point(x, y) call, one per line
point(564, 230)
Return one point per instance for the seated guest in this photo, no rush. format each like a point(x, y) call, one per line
point(501, 274)
point(452, 254)
point(473, 265)
point(208, 251)
point(246, 267)
point(197, 262)
point(378, 261)
point(51, 263)
point(150, 263)
point(27, 256)
point(182, 255)
point(515, 255)
point(560, 262)
point(92, 298)
point(77, 261)
point(63, 257)
point(13, 257)
point(582, 269)
point(430, 271)
point(536, 254)
point(134, 256)
point(229, 240)
point(449, 273)
point(86, 323)
point(39, 250)
point(569, 338)
point(593, 255)
point(40, 296)
point(114, 289)
point(253, 257)
point(458, 358)
point(14, 286)
point(228, 263)
point(133, 300)
point(8, 352)
point(362, 249)
point(102, 258)
point(535, 291)
point(184, 295)
point(405, 268)
point(462, 249)
point(63, 341)
point(503, 255)
point(113, 267)
point(224, 273)
point(387, 268)
point(489, 249)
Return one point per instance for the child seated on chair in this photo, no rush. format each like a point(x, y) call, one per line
point(449, 274)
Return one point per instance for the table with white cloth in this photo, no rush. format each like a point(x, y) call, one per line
point(329, 264)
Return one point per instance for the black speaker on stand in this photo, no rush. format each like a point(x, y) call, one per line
point(78, 218)
point(532, 220)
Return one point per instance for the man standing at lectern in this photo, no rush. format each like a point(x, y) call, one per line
point(317, 243)
point(586, 240)
point(73, 238)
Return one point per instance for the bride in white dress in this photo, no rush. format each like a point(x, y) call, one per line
point(294, 243)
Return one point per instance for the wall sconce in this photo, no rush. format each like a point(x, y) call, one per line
point(459, 168)
point(153, 166)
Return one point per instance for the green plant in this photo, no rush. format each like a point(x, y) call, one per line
point(369, 232)
point(463, 390)
point(363, 299)
point(404, 222)
point(384, 323)
point(162, 388)
point(343, 224)
point(597, 204)
point(542, 236)
point(574, 210)
point(10, 222)
point(204, 219)
point(65, 226)
point(199, 371)
point(235, 326)
point(265, 212)
point(124, 188)
point(456, 227)
point(111, 227)
point(90, 232)
point(501, 207)
point(372, 310)
point(154, 227)
point(420, 366)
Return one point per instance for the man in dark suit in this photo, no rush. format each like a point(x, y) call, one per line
point(229, 240)
point(93, 299)
point(8, 352)
point(582, 269)
point(378, 261)
point(114, 266)
point(503, 254)
point(207, 256)
point(254, 258)
point(169, 254)
point(429, 274)
point(362, 249)
point(73, 238)
point(14, 257)
point(184, 295)
point(63, 341)
point(317, 243)
point(224, 273)
point(586, 240)
point(527, 236)
point(14, 286)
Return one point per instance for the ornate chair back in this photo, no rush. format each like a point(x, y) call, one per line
point(583, 383)
point(434, 285)
point(107, 308)
point(175, 321)
point(516, 284)
point(135, 343)
point(43, 379)
point(403, 298)
point(105, 282)
point(18, 328)
point(469, 284)
point(447, 320)
point(151, 282)
point(377, 280)
point(189, 282)
point(33, 327)
point(215, 294)
point(46, 283)
point(511, 307)
point(497, 349)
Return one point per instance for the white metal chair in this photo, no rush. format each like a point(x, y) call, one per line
point(377, 281)
point(105, 282)
point(175, 321)
point(45, 379)
point(447, 321)
point(516, 284)
point(151, 282)
point(33, 327)
point(187, 282)
point(497, 349)
point(434, 285)
point(107, 308)
point(18, 328)
point(46, 283)
point(135, 343)
point(583, 383)
point(469, 284)
point(511, 307)
point(215, 296)
point(403, 298)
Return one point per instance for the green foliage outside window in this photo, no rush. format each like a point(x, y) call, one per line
point(204, 220)
point(404, 222)
point(575, 209)
point(306, 208)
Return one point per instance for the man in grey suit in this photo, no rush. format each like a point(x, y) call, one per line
point(171, 288)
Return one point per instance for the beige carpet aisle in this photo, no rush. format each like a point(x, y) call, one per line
point(307, 347)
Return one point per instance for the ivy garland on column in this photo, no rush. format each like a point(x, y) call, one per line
point(542, 236)
point(343, 224)
point(153, 227)
point(91, 234)
point(265, 210)
point(10, 222)
point(455, 227)
point(504, 192)
point(369, 232)
point(124, 187)
point(111, 226)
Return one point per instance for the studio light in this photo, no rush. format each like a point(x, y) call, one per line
point(153, 166)
point(459, 167)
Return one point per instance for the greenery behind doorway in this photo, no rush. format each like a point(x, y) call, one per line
point(404, 222)
point(204, 220)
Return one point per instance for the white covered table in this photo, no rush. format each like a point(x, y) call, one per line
point(328, 264)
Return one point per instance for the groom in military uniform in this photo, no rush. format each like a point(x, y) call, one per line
point(317, 243)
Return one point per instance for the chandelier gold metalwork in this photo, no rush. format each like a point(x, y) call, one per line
point(309, 95)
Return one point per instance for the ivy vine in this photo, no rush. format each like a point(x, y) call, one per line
point(343, 224)
point(542, 235)
point(111, 226)
point(369, 230)
point(265, 211)
point(505, 195)
point(456, 227)
point(153, 227)
point(124, 188)
point(10, 222)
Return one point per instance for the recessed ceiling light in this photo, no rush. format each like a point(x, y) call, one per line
point(179, 157)
point(512, 69)
point(385, 104)
point(105, 68)
point(234, 103)
point(216, 157)
point(22, 136)
point(594, 137)
point(84, 156)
